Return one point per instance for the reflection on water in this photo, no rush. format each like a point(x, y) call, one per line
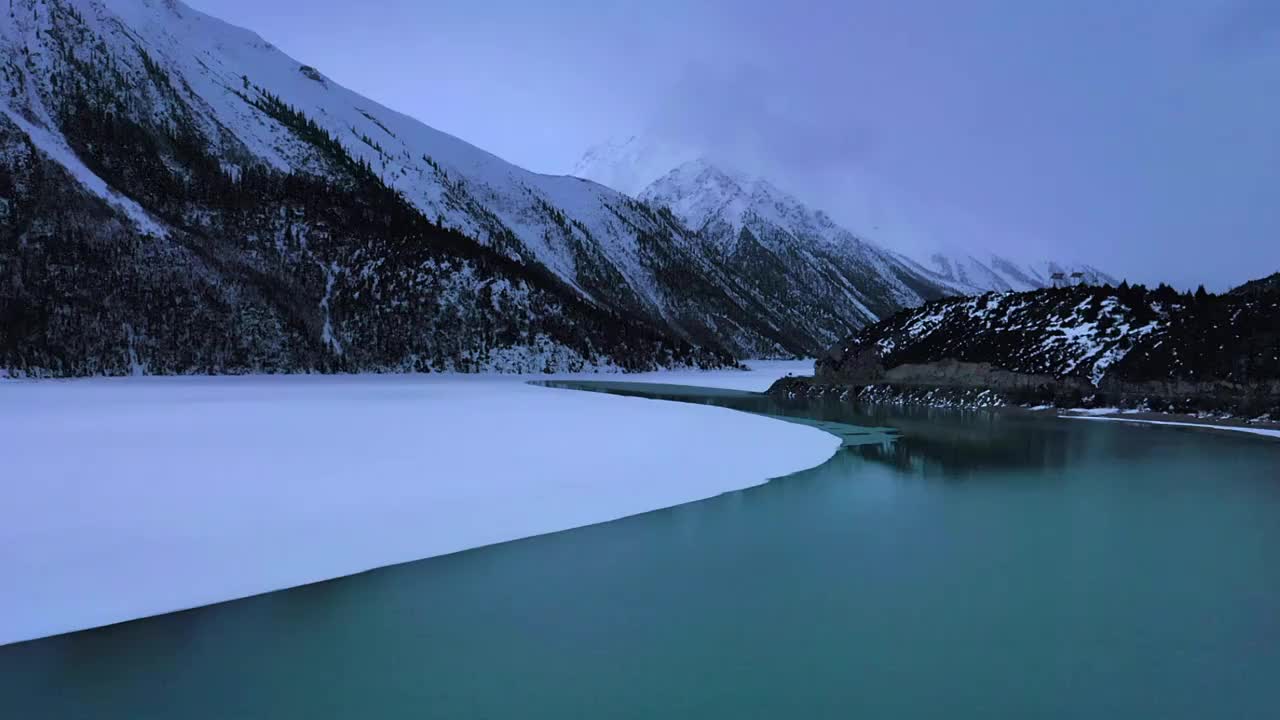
point(935, 441)
point(965, 566)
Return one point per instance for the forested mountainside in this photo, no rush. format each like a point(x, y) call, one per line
point(723, 202)
point(1082, 345)
point(1261, 285)
point(168, 69)
point(140, 232)
point(265, 272)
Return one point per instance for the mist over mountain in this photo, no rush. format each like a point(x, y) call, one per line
point(702, 190)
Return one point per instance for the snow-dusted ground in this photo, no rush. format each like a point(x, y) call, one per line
point(1234, 428)
point(123, 498)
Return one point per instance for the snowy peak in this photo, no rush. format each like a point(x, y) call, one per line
point(697, 191)
point(795, 254)
point(701, 192)
point(629, 165)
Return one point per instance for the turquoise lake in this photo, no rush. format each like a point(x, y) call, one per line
point(943, 564)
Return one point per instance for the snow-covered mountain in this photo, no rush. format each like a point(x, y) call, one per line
point(790, 252)
point(181, 196)
point(155, 120)
point(700, 190)
point(631, 165)
point(991, 272)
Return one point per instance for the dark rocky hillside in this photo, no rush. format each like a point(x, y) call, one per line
point(1261, 285)
point(1091, 346)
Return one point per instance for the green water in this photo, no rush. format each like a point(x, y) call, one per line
point(967, 566)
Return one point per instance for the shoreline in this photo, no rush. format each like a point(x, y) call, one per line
point(1263, 429)
point(1148, 416)
point(980, 399)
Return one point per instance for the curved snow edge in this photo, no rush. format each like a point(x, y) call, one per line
point(135, 497)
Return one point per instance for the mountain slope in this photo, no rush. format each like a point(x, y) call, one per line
point(1261, 285)
point(614, 252)
point(164, 212)
point(995, 273)
point(829, 278)
point(241, 104)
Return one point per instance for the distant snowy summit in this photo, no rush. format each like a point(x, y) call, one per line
point(818, 276)
point(630, 165)
point(703, 192)
point(993, 272)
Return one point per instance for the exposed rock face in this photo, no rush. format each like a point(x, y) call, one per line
point(313, 74)
point(940, 397)
point(953, 373)
point(1077, 346)
point(1252, 398)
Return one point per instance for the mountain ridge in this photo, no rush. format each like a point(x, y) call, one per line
point(636, 165)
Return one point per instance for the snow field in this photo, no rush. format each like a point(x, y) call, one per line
point(123, 498)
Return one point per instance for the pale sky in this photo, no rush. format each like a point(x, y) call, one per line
point(1142, 137)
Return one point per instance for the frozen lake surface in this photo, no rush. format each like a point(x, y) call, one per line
point(968, 565)
point(123, 498)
